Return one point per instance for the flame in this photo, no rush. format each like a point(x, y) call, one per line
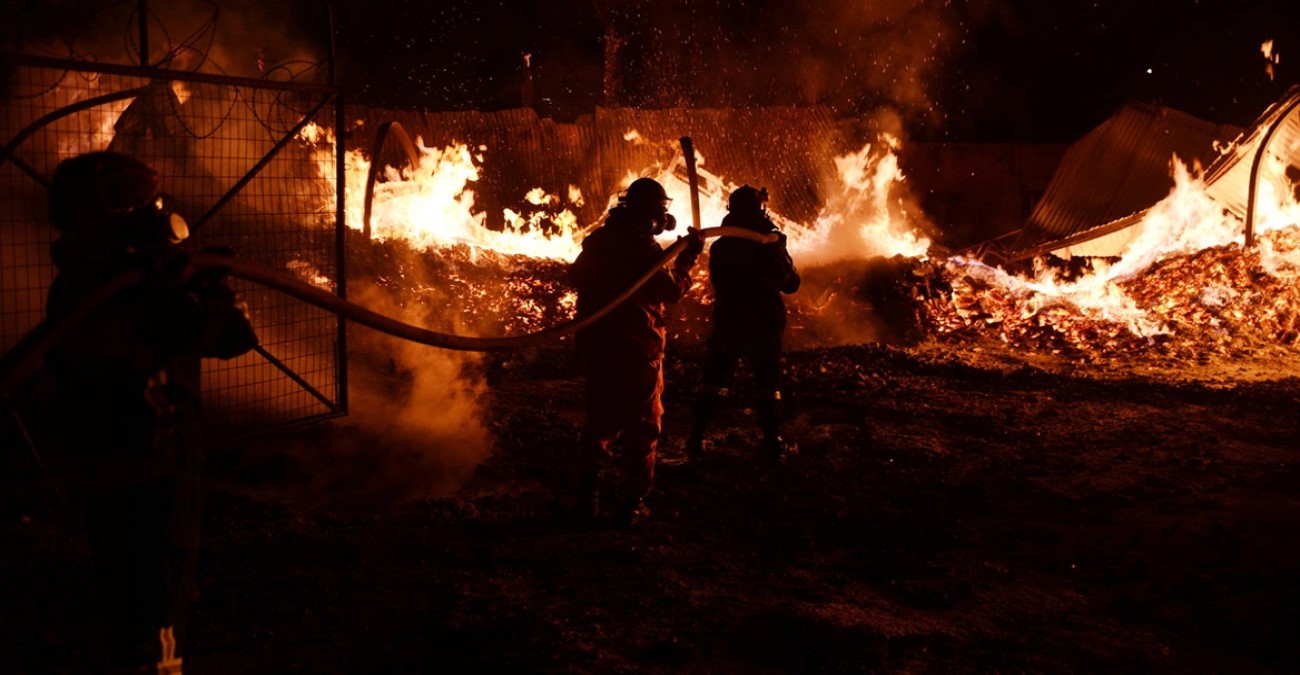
point(863, 216)
point(575, 196)
point(308, 273)
point(1147, 296)
point(91, 129)
point(1270, 58)
point(1150, 292)
point(432, 205)
point(182, 91)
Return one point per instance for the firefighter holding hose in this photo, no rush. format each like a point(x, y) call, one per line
point(623, 351)
point(127, 381)
point(749, 279)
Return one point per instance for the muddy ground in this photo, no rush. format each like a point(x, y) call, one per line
point(951, 509)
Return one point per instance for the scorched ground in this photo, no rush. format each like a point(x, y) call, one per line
point(953, 508)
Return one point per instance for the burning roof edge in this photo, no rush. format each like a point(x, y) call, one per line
point(1112, 175)
point(1227, 180)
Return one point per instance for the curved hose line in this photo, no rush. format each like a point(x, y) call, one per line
point(20, 363)
point(331, 302)
point(381, 138)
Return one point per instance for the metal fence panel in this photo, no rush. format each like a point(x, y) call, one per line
point(233, 162)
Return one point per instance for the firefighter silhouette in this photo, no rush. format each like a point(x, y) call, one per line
point(623, 352)
point(749, 316)
point(127, 386)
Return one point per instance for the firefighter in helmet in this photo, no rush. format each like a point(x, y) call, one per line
point(623, 351)
point(128, 375)
point(749, 279)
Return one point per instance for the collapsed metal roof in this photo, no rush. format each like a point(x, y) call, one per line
point(789, 150)
point(1277, 132)
point(1108, 178)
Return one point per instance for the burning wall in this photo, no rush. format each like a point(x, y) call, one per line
point(789, 150)
point(864, 251)
point(452, 211)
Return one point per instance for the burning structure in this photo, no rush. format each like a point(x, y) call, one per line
point(1141, 288)
point(475, 221)
point(1190, 255)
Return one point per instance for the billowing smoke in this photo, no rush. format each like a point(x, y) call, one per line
point(421, 407)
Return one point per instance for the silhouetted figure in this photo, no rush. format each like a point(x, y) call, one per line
point(749, 316)
point(623, 351)
point(127, 388)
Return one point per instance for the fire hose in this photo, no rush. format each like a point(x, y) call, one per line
point(19, 366)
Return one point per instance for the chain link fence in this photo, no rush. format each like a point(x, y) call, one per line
point(241, 160)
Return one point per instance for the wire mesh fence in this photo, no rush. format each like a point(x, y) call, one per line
point(240, 161)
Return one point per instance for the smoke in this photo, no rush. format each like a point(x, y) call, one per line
point(857, 58)
point(418, 409)
point(245, 38)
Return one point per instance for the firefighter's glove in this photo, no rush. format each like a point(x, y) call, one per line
point(169, 266)
point(780, 238)
point(207, 277)
point(695, 246)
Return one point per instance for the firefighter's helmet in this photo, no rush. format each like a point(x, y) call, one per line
point(111, 194)
point(747, 199)
point(647, 198)
point(646, 194)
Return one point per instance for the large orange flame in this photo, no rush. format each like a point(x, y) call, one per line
point(432, 205)
point(1184, 224)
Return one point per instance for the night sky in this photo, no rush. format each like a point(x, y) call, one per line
point(1000, 70)
point(929, 70)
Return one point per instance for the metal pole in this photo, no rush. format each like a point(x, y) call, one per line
point(688, 151)
point(341, 248)
point(143, 9)
point(329, 16)
point(1254, 168)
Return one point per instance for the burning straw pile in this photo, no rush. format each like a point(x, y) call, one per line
point(1220, 301)
point(464, 289)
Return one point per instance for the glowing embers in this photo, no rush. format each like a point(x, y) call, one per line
point(1184, 286)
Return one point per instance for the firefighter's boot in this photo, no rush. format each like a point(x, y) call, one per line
point(702, 413)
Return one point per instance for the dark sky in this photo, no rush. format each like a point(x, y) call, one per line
point(960, 70)
point(985, 70)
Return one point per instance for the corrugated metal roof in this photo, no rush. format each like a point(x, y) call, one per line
point(1228, 179)
point(1116, 171)
point(789, 150)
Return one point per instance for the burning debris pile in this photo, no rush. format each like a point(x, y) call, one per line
point(463, 289)
point(1181, 290)
point(1225, 298)
point(429, 246)
point(1221, 300)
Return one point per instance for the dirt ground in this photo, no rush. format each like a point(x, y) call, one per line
point(951, 509)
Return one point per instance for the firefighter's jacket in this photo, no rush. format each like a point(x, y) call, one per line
point(748, 280)
point(612, 258)
point(127, 376)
